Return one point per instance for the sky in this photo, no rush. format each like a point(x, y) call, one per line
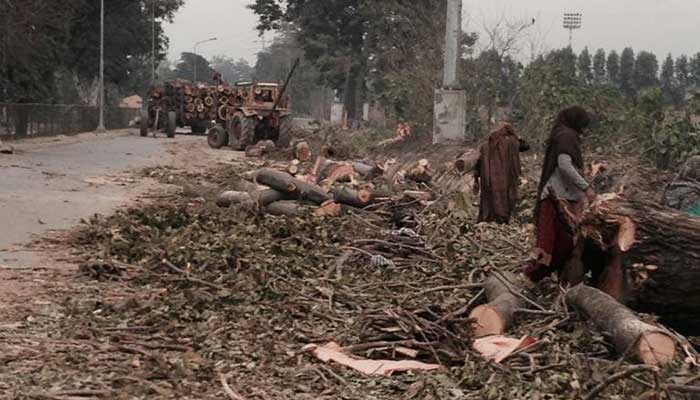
point(660, 26)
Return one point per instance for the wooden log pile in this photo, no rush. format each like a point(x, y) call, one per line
point(325, 187)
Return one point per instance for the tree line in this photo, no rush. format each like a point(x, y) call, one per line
point(49, 50)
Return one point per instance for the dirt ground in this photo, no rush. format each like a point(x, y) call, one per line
point(171, 297)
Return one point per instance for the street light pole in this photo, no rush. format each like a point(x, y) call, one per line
point(572, 21)
point(195, 56)
point(101, 124)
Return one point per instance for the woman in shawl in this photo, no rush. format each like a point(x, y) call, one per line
point(497, 174)
point(562, 190)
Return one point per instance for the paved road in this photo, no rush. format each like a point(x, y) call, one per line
point(53, 183)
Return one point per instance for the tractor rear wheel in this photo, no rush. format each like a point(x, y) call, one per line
point(217, 137)
point(284, 137)
point(144, 123)
point(171, 124)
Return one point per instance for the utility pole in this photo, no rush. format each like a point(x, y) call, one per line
point(153, 43)
point(101, 124)
point(572, 21)
point(195, 56)
point(451, 100)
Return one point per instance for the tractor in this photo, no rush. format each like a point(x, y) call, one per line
point(255, 111)
point(160, 111)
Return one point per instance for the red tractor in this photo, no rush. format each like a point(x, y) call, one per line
point(254, 111)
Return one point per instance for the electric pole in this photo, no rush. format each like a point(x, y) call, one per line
point(450, 100)
point(101, 124)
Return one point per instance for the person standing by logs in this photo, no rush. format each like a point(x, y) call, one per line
point(561, 195)
point(497, 174)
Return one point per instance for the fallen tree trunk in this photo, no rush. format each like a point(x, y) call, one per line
point(286, 208)
point(366, 171)
point(296, 188)
point(268, 196)
point(631, 336)
point(651, 255)
point(356, 198)
point(229, 198)
point(496, 316)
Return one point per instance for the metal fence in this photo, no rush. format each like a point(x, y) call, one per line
point(33, 120)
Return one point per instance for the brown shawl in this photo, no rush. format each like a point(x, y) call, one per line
point(565, 138)
point(499, 171)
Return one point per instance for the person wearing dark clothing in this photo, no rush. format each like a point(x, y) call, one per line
point(560, 196)
point(497, 174)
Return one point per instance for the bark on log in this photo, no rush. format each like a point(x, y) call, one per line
point(268, 196)
point(631, 336)
point(286, 208)
point(496, 316)
point(254, 151)
point(356, 198)
point(467, 161)
point(366, 171)
point(296, 188)
point(651, 255)
point(227, 199)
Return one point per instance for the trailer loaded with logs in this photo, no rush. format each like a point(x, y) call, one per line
point(238, 115)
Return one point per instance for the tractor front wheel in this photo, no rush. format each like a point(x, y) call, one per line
point(217, 137)
point(144, 123)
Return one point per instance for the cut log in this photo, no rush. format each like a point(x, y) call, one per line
point(329, 209)
point(254, 151)
point(642, 341)
point(268, 196)
point(286, 208)
point(496, 316)
point(367, 171)
point(466, 162)
point(419, 172)
point(651, 255)
point(356, 198)
point(293, 167)
point(337, 172)
point(302, 151)
point(227, 199)
point(268, 146)
point(298, 189)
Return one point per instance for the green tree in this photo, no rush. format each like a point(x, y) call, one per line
point(44, 39)
point(307, 96)
point(584, 66)
point(185, 68)
point(646, 70)
point(669, 87)
point(627, 72)
point(695, 71)
point(332, 34)
point(232, 71)
point(683, 74)
point(612, 67)
point(599, 66)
